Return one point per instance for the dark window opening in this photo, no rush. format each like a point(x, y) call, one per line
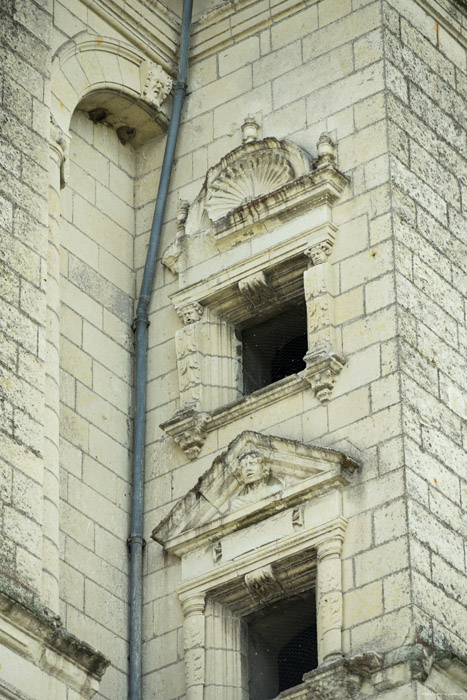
point(274, 349)
point(282, 646)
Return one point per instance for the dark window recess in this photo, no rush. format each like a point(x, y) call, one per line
point(282, 646)
point(274, 349)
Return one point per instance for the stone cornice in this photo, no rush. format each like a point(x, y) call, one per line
point(237, 19)
point(29, 629)
point(240, 18)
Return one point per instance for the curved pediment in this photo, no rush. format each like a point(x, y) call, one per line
point(254, 169)
point(253, 189)
point(251, 171)
point(257, 475)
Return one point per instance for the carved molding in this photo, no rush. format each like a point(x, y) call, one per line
point(246, 180)
point(319, 252)
point(256, 289)
point(254, 286)
point(322, 370)
point(262, 583)
point(31, 631)
point(260, 184)
point(59, 143)
point(287, 560)
point(156, 84)
point(289, 473)
point(370, 673)
point(323, 361)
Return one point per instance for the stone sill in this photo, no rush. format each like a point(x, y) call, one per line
point(268, 395)
point(189, 426)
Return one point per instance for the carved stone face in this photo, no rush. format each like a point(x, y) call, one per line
point(190, 313)
point(252, 468)
point(156, 88)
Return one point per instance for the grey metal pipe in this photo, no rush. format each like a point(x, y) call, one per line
point(136, 540)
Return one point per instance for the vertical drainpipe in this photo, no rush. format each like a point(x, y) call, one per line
point(135, 540)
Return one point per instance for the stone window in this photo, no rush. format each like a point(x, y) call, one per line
point(274, 348)
point(284, 496)
point(251, 254)
point(282, 645)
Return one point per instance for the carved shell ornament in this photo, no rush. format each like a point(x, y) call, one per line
point(248, 178)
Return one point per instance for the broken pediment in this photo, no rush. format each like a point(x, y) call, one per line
point(253, 189)
point(257, 475)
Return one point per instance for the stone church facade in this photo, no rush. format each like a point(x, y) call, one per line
point(305, 461)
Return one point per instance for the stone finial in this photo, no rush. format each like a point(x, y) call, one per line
point(326, 151)
point(182, 213)
point(155, 83)
point(250, 129)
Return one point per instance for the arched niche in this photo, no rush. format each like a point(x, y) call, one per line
point(91, 71)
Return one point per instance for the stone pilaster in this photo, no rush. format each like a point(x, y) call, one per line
point(329, 599)
point(50, 540)
point(194, 646)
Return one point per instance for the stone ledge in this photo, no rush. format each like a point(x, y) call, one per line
point(33, 631)
point(369, 674)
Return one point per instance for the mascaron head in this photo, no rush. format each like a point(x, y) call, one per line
point(252, 468)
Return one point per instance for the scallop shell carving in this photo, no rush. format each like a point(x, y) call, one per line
point(245, 180)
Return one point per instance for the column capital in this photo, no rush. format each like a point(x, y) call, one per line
point(194, 605)
point(331, 547)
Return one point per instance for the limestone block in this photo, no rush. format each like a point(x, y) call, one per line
point(373, 493)
point(347, 91)
point(383, 632)
point(358, 536)
point(363, 604)
point(238, 55)
point(75, 298)
point(106, 351)
point(290, 29)
point(390, 521)
point(274, 64)
point(313, 76)
point(214, 94)
point(377, 327)
point(76, 362)
point(75, 524)
point(349, 408)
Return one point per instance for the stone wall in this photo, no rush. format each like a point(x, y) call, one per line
point(386, 79)
point(25, 60)
point(97, 291)
point(299, 73)
point(426, 70)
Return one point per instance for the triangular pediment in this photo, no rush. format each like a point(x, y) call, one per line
point(257, 475)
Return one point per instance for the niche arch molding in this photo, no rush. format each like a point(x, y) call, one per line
point(91, 70)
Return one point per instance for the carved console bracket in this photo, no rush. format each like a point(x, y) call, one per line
point(156, 84)
point(323, 361)
point(188, 428)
